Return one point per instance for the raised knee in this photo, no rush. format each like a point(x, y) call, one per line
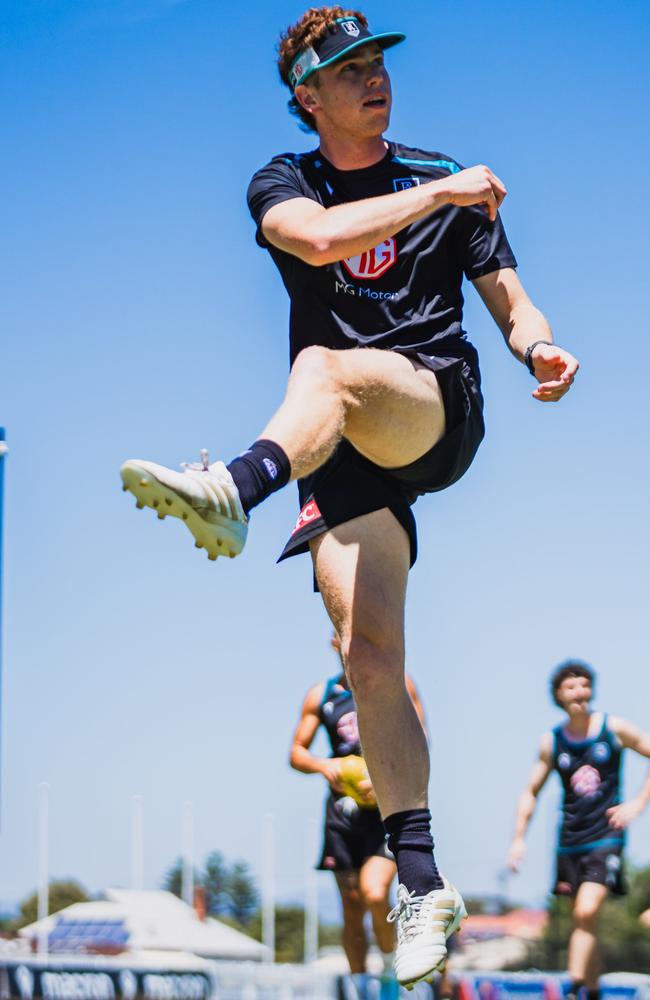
point(317, 364)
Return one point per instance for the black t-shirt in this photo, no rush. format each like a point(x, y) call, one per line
point(590, 772)
point(404, 294)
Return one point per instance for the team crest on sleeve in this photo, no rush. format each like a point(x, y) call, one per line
point(372, 264)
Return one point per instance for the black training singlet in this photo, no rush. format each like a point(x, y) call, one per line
point(404, 294)
point(338, 714)
point(590, 774)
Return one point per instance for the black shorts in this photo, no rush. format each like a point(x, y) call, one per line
point(604, 866)
point(349, 485)
point(351, 836)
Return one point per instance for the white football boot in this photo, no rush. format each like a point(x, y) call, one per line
point(423, 925)
point(204, 496)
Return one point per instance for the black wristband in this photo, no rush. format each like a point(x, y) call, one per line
point(528, 356)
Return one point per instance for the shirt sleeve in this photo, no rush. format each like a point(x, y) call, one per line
point(484, 244)
point(278, 181)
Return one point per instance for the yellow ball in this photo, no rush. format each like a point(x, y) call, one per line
point(353, 774)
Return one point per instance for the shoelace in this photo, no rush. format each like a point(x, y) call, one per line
point(408, 907)
point(202, 466)
point(220, 491)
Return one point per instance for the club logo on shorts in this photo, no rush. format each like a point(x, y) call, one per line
point(372, 264)
point(309, 513)
point(351, 27)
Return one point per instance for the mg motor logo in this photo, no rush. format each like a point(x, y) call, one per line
point(373, 263)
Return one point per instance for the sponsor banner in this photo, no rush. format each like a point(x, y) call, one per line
point(30, 981)
point(363, 986)
point(543, 987)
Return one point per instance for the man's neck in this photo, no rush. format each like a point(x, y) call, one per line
point(578, 726)
point(348, 153)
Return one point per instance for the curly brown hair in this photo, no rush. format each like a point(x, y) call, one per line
point(309, 29)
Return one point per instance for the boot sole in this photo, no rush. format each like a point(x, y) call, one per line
point(218, 538)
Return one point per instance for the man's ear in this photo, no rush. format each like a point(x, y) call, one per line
point(306, 98)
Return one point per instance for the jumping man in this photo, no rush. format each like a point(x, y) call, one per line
point(383, 402)
point(585, 749)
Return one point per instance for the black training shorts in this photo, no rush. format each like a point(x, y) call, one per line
point(603, 866)
point(349, 485)
point(351, 836)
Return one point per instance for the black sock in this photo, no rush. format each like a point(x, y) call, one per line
point(410, 840)
point(593, 994)
point(576, 990)
point(260, 471)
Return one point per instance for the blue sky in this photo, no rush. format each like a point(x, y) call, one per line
point(140, 320)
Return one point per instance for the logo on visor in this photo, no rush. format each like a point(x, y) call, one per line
point(372, 264)
point(351, 27)
point(298, 70)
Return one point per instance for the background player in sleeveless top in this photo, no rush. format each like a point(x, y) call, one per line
point(383, 404)
point(586, 751)
point(354, 838)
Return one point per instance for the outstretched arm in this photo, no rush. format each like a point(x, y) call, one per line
point(527, 803)
point(320, 235)
point(521, 324)
point(301, 758)
point(632, 738)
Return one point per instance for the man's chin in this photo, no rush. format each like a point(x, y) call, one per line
point(376, 128)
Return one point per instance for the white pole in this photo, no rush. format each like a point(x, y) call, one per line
point(268, 886)
point(43, 862)
point(187, 835)
point(137, 842)
point(311, 894)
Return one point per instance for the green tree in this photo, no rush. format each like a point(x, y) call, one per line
point(62, 893)
point(290, 933)
point(215, 880)
point(243, 894)
point(173, 878)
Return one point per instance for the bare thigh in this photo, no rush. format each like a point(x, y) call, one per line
point(588, 901)
point(394, 407)
point(362, 568)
